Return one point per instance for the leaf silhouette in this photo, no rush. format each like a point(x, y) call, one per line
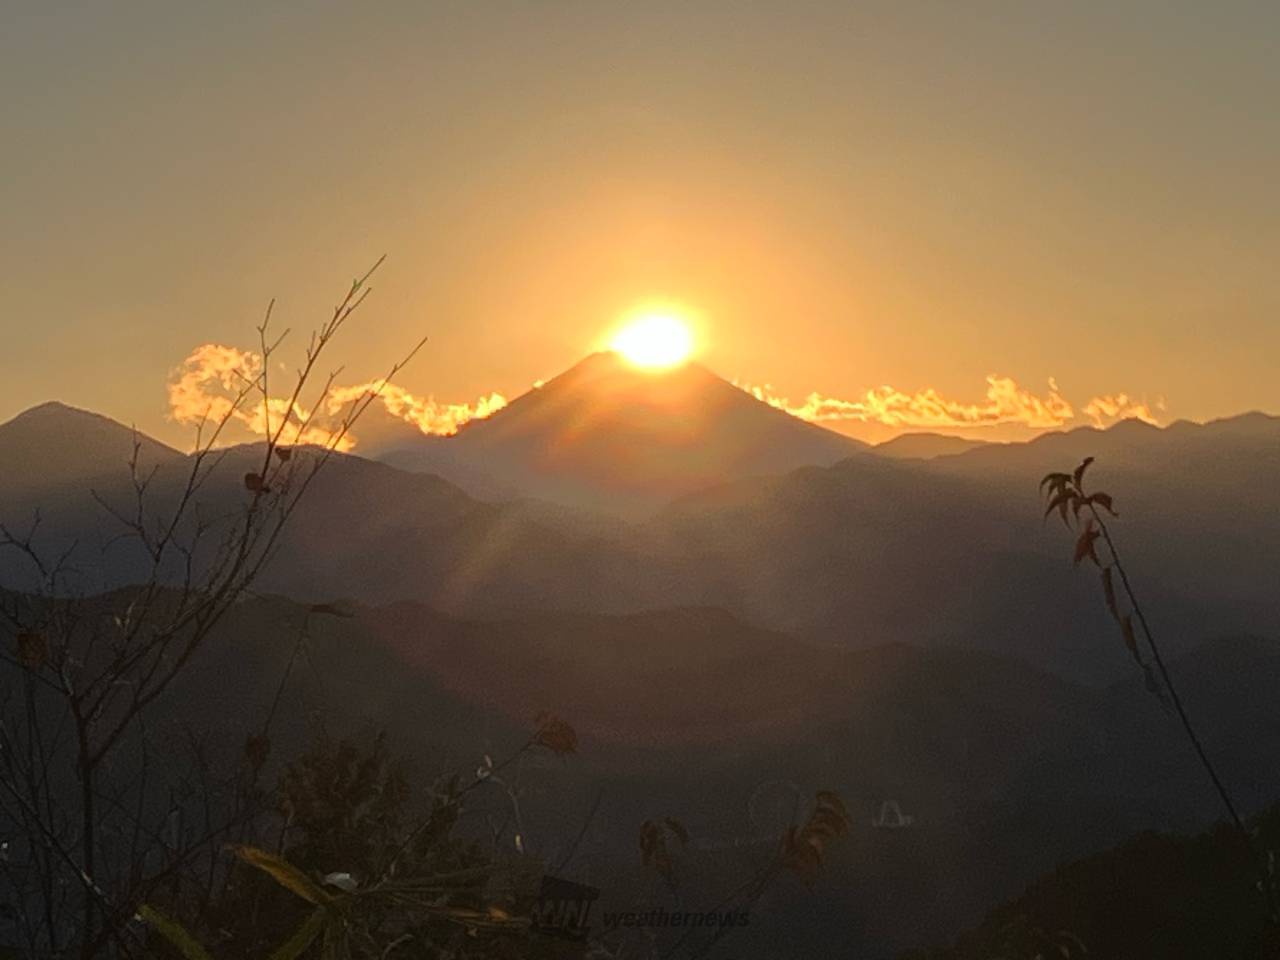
point(678, 830)
point(256, 748)
point(284, 453)
point(653, 849)
point(254, 483)
point(1153, 686)
point(301, 938)
point(284, 873)
point(1103, 500)
point(1130, 638)
point(556, 735)
point(1054, 481)
point(803, 848)
point(331, 610)
point(174, 932)
point(1060, 503)
point(33, 650)
point(1109, 592)
point(1079, 473)
point(1084, 545)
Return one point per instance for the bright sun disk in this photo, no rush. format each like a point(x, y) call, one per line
point(653, 341)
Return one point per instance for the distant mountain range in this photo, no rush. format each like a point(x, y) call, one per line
point(768, 608)
point(860, 551)
point(925, 446)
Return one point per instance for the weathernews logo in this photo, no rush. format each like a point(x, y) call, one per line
point(708, 919)
point(563, 908)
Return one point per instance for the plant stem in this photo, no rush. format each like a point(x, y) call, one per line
point(1268, 890)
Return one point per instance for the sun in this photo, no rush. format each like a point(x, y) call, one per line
point(654, 341)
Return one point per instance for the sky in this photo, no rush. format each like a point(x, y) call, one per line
point(973, 214)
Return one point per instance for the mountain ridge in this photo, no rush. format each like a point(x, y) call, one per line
point(603, 435)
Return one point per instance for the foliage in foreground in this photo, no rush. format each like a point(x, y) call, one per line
point(360, 871)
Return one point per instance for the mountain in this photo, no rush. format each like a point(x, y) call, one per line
point(947, 551)
point(54, 445)
point(606, 436)
point(925, 446)
point(1217, 452)
point(364, 530)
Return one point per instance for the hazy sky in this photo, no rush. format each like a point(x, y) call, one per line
point(849, 195)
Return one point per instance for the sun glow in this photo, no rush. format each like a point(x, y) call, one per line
point(654, 341)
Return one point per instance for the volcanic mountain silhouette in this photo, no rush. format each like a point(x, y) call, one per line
point(607, 436)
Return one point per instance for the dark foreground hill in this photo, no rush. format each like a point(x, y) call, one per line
point(1157, 896)
point(1003, 770)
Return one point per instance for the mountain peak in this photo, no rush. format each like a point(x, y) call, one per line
point(607, 436)
point(55, 443)
point(55, 408)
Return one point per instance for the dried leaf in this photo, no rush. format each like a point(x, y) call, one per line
point(283, 872)
point(284, 453)
point(1130, 638)
point(650, 836)
point(1054, 481)
point(331, 610)
point(302, 938)
point(256, 749)
point(33, 650)
point(1160, 690)
point(677, 830)
point(803, 848)
point(253, 482)
point(174, 932)
point(1079, 474)
point(653, 849)
point(1060, 503)
point(1084, 545)
point(1153, 686)
point(1109, 592)
point(1103, 500)
point(556, 735)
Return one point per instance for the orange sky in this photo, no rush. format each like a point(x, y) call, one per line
point(871, 207)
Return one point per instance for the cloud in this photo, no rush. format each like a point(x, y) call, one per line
point(1120, 406)
point(210, 385)
point(211, 379)
point(425, 413)
point(1006, 402)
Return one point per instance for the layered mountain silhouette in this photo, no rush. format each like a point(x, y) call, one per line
point(950, 550)
point(892, 626)
point(606, 436)
point(925, 446)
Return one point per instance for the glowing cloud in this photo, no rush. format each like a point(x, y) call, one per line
point(1006, 403)
point(205, 389)
point(1120, 406)
point(206, 386)
point(425, 413)
point(210, 386)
